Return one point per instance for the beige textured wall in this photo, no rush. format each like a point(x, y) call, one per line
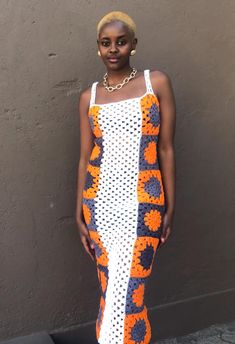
point(48, 54)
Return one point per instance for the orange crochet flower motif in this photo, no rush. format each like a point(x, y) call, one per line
point(153, 220)
point(92, 181)
point(150, 152)
point(150, 115)
point(101, 253)
point(138, 295)
point(103, 280)
point(86, 213)
point(95, 152)
point(94, 119)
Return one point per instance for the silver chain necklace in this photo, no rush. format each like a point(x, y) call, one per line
point(120, 85)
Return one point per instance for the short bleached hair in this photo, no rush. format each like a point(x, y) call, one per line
point(117, 16)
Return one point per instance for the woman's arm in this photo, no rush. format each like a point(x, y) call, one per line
point(86, 145)
point(166, 153)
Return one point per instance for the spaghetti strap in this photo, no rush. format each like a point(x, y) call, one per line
point(149, 87)
point(93, 93)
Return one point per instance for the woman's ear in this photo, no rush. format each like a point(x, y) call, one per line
point(134, 42)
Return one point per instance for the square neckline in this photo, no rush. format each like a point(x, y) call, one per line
point(130, 99)
point(125, 100)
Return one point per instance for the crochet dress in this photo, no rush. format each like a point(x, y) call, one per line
point(123, 206)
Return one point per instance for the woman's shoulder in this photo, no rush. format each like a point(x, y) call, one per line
point(87, 91)
point(85, 94)
point(157, 75)
point(159, 79)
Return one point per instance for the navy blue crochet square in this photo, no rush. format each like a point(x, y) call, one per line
point(148, 159)
point(104, 269)
point(150, 220)
point(90, 203)
point(135, 295)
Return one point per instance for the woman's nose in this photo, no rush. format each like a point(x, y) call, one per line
point(113, 48)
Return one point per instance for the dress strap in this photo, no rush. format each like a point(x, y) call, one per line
point(93, 93)
point(149, 87)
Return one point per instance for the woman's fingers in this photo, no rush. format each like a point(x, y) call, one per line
point(86, 240)
point(166, 231)
point(165, 234)
point(91, 246)
point(87, 247)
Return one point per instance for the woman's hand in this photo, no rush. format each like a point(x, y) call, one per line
point(85, 239)
point(166, 231)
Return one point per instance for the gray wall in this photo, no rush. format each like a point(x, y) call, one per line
point(48, 54)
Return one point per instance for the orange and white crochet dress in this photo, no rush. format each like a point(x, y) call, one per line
point(123, 207)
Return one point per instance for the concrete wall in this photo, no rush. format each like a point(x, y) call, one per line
point(48, 54)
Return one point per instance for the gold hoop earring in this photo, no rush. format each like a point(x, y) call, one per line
point(99, 54)
point(133, 51)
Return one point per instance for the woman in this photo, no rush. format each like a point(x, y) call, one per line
point(126, 179)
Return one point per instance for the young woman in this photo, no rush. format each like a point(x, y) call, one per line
point(126, 179)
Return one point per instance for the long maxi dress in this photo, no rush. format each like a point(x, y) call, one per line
point(123, 207)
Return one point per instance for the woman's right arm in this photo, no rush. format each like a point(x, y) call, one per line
point(86, 146)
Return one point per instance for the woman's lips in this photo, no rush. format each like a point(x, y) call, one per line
point(113, 59)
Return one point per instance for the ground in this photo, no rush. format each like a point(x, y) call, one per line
point(215, 334)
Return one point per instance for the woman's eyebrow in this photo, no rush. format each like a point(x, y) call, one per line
point(117, 37)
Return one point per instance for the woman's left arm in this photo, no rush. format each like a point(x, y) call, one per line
point(164, 91)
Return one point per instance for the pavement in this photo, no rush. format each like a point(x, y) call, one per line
point(215, 334)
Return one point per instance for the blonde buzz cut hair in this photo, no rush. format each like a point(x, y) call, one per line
point(117, 16)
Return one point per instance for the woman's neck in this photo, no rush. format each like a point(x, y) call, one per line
point(116, 76)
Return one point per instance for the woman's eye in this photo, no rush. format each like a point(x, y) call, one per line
point(121, 42)
point(106, 43)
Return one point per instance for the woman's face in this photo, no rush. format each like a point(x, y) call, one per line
point(115, 43)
